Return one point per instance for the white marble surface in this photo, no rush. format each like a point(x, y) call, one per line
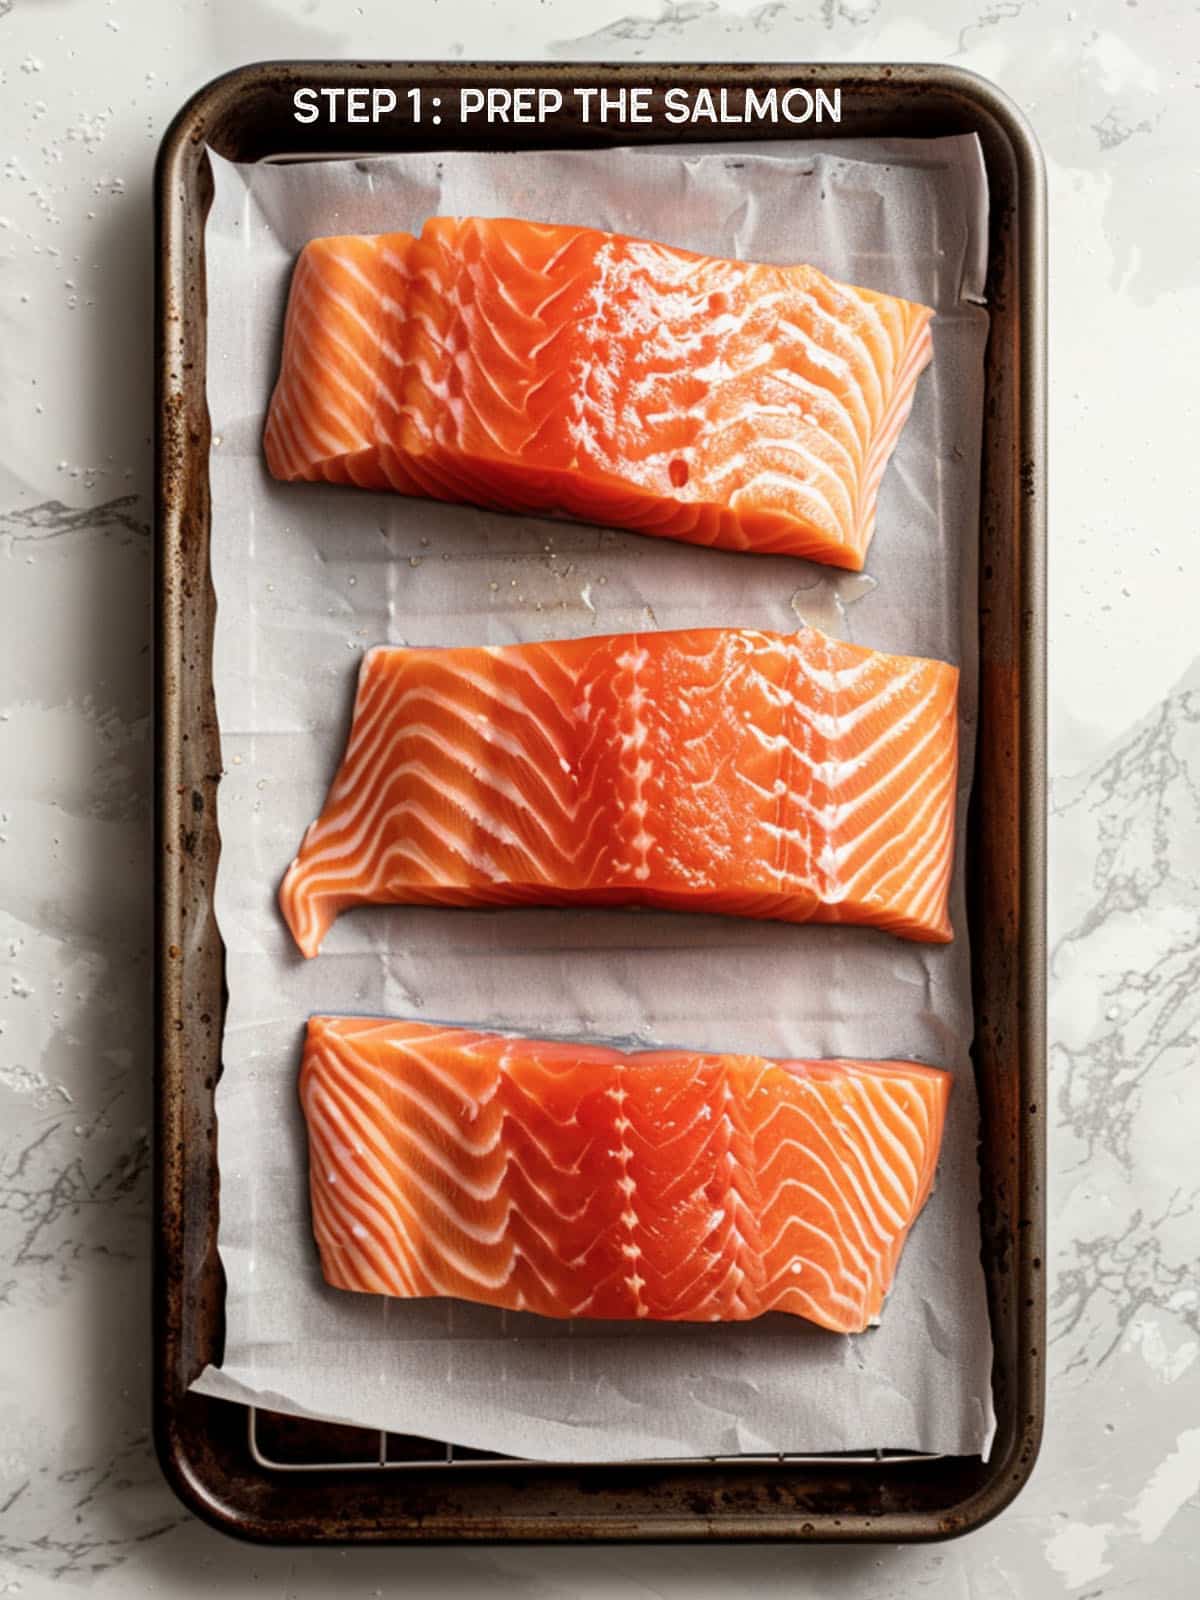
point(86, 88)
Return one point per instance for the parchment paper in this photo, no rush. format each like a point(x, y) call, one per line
point(307, 577)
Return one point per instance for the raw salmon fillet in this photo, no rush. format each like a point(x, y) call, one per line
point(757, 774)
point(576, 1181)
point(536, 368)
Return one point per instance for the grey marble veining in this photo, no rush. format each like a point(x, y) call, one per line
point(86, 88)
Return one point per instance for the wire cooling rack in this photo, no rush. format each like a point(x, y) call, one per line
point(291, 1444)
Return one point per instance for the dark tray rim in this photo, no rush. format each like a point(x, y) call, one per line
point(622, 1496)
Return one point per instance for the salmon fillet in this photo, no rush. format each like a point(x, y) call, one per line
point(762, 775)
point(544, 369)
point(577, 1181)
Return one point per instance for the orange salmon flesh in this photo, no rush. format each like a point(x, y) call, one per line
point(557, 370)
point(576, 1181)
point(792, 777)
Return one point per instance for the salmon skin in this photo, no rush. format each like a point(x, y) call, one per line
point(542, 369)
point(577, 1181)
point(793, 777)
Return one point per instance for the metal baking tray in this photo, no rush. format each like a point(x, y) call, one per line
point(278, 1479)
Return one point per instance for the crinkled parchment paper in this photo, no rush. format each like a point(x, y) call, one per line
point(306, 578)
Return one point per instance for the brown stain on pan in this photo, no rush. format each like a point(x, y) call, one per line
point(203, 1444)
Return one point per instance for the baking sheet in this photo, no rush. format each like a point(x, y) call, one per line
point(307, 577)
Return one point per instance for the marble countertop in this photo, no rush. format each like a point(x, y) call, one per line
point(86, 89)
